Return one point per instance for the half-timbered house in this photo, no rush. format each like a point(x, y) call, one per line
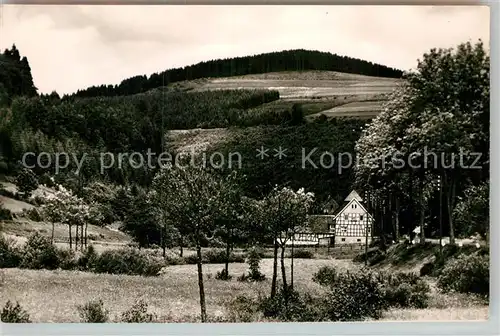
point(351, 224)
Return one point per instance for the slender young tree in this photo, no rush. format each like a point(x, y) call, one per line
point(194, 203)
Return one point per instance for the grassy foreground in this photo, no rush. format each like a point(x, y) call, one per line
point(52, 296)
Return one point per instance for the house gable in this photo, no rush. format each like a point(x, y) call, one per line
point(349, 205)
point(353, 195)
point(353, 220)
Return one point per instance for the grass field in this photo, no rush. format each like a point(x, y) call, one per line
point(332, 88)
point(101, 237)
point(173, 296)
point(293, 87)
point(359, 109)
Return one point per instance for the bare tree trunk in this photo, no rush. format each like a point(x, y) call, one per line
point(228, 251)
point(391, 213)
point(410, 205)
point(275, 268)
point(283, 270)
point(441, 215)
point(366, 241)
point(162, 242)
point(81, 237)
point(398, 210)
point(291, 265)
point(422, 211)
point(52, 235)
point(181, 252)
point(200, 282)
point(86, 235)
point(70, 239)
point(76, 238)
point(450, 197)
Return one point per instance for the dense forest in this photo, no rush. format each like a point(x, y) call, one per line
point(290, 60)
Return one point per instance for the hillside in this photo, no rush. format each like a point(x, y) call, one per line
point(331, 93)
point(288, 60)
point(21, 227)
point(299, 84)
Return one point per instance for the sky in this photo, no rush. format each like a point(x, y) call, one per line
point(74, 47)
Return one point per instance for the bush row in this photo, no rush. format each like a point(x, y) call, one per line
point(40, 253)
point(90, 312)
point(460, 269)
point(466, 274)
point(349, 296)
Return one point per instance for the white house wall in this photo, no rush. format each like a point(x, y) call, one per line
point(352, 224)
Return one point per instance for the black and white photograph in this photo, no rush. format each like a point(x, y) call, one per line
point(244, 164)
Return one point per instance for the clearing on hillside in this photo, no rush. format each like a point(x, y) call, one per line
point(299, 84)
point(333, 89)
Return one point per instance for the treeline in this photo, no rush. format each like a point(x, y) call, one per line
point(132, 123)
point(125, 124)
point(289, 60)
point(15, 76)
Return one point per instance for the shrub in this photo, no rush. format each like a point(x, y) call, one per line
point(354, 297)
point(376, 258)
point(10, 254)
point(303, 254)
point(325, 276)
point(219, 257)
point(88, 259)
point(127, 261)
point(33, 214)
point(170, 260)
point(191, 259)
point(27, 182)
point(374, 255)
point(39, 253)
point(243, 309)
point(404, 290)
point(253, 260)
point(138, 313)
point(93, 312)
point(14, 314)
point(66, 259)
point(287, 305)
point(223, 275)
point(46, 180)
point(427, 269)
point(466, 274)
point(37, 201)
point(243, 278)
point(440, 258)
point(214, 257)
point(5, 214)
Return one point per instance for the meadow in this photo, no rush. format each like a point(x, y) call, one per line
point(173, 296)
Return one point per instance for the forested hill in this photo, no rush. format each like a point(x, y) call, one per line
point(290, 60)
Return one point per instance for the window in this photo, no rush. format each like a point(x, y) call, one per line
point(359, 240)
point(360, 217)
point(343, 239)
point(346, 217)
